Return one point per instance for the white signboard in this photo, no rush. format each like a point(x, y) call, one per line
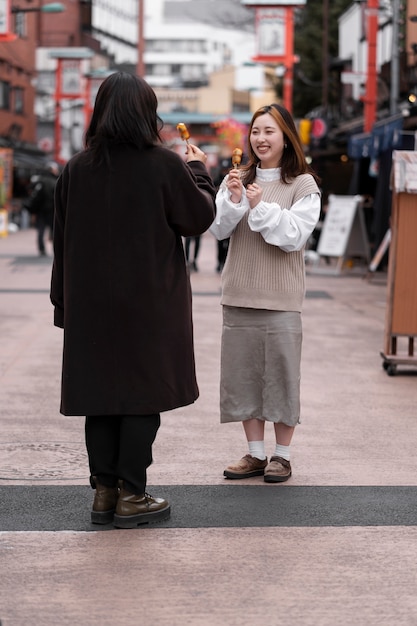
point(71, 77)
point(271, 32)
point(338, 226)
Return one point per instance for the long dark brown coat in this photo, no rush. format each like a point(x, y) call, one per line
point(120, 286)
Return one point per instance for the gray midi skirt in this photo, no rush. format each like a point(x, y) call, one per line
point(260, 365)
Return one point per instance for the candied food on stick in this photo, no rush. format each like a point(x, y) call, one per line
point(236, 157)
point(183, 131)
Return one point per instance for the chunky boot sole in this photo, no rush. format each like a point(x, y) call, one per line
point(235, 476)
point(133, 521)
point(275, 479)
point(102, 517)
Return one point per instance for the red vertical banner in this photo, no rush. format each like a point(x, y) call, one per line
point(289, 58)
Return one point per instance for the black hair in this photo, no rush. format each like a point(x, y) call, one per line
point(125, 112)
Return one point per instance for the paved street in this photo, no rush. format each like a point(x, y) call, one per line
point(334, 546)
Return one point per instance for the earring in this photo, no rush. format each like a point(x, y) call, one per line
point(285, 145)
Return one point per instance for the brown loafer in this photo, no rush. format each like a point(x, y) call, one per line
point(278, 470)
point(133, 510)
point(104, 505)
point(247, 467)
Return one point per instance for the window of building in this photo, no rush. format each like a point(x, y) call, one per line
point(176, 45)
point(163, 69)
point(20, 24)
point(160, 45)
point(193, 72)
point(197, 45)
point(46, 82)
point(19, 100)
point(4, 95)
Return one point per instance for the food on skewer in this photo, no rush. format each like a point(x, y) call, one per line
point(183, 131)
point(236, 157)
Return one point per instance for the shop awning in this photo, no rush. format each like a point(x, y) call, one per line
point(385, 135)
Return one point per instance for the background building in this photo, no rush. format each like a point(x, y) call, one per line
point(197, 68)
point(199, 61)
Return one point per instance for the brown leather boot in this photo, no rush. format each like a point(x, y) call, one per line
point(104, 504)
point(133, 510)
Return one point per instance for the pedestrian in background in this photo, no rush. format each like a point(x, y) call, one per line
point(269, 208)
point(195, 243)
point(41, 205)
point(121, 291)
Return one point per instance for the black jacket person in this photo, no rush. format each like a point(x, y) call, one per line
point(121, 290)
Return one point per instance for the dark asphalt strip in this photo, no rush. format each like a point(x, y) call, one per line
point(309, 294)
point(57, 508)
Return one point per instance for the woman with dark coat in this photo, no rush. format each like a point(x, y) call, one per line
point(121, 291)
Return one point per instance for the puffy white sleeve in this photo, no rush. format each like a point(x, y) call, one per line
point(288, 229)
point(228, 214)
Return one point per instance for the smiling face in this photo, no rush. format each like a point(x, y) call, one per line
point(267, 141)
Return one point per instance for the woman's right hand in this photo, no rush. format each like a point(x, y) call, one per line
point(195, 154)
point(234, 185)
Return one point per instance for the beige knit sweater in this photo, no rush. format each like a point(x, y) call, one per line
point(258, 275)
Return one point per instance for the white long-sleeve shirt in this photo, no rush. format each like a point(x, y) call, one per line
point(286, 227)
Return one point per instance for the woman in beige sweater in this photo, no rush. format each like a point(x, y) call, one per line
point(268, 208)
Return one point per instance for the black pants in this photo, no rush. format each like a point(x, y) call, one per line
point(188, 241)
point(120, 448)
point(222, 248)
point(43, 223)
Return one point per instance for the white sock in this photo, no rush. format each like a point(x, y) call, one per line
point(257, 449)
point(282, 451)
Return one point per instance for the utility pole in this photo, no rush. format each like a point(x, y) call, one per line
point(325, 58)
point(371, 81)
point(140, 68)
point(395, 58)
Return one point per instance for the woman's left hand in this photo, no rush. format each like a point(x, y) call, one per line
point(253, 194)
